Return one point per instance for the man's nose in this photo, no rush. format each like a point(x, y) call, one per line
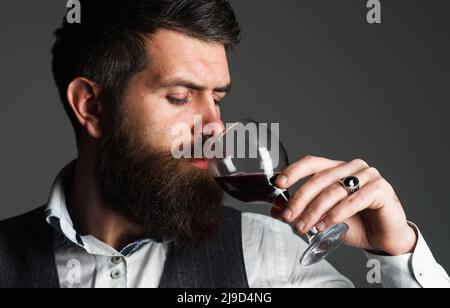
point(210, 113)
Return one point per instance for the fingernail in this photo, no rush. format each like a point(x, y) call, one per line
point(287, 214)
point(300, 225)
point(282, 180)
point(321, 226)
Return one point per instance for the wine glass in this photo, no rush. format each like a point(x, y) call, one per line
point(247, 159)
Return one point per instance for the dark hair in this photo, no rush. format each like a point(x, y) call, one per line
point(108, 46)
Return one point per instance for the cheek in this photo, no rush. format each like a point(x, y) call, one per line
point(161, 128)
point(153, 120)
point(174, 130)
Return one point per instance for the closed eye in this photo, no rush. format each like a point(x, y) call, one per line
point(177, 101)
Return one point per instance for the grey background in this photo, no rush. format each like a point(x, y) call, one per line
point(314, 66)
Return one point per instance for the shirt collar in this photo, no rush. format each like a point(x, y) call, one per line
point(56, 212)
point(58, 217)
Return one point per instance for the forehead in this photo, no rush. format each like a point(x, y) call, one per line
point(176, 55)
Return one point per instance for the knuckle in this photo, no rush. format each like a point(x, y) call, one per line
point(332, 218)
point(332, 191)
point(374, 171)
point(320, 178)
point(316, 179)
point(295, 200)
point(309, 214)
point(360, 162)
point(380, 185)
point(309, 157)
point(337, 188)
point(352, 202)
point(316, 208)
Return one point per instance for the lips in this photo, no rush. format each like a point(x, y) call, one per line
point(201, 163)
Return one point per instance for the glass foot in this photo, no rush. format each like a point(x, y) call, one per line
point(322, 244)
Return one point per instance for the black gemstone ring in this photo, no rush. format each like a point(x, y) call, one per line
point(350, 184)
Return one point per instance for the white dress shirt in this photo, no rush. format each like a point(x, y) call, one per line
point(271, 256)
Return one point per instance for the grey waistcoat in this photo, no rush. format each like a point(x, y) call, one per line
point(27, 258)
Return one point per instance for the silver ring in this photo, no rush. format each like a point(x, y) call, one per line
point(350, 184)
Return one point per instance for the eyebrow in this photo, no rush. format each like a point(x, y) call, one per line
point(190, 85)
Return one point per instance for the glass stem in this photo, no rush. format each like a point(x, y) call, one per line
point(280, 198)
point(311, 234)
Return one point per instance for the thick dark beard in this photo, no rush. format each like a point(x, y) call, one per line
point(169, 198)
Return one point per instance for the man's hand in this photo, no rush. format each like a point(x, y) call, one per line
point(374, 213)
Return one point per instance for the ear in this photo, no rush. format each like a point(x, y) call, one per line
point(83, 96)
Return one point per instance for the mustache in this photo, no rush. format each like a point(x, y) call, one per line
point(198, 143)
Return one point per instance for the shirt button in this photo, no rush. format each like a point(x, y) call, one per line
point(116, 260)
point(115, 274)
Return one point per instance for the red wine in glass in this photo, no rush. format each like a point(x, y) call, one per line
point(252, 187)
point(251, 179)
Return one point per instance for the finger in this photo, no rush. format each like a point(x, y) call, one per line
point(349, 207)
point(276, 212)
point(329, 198)
point(303, 168)
point(278, 208)
point(316, 184)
